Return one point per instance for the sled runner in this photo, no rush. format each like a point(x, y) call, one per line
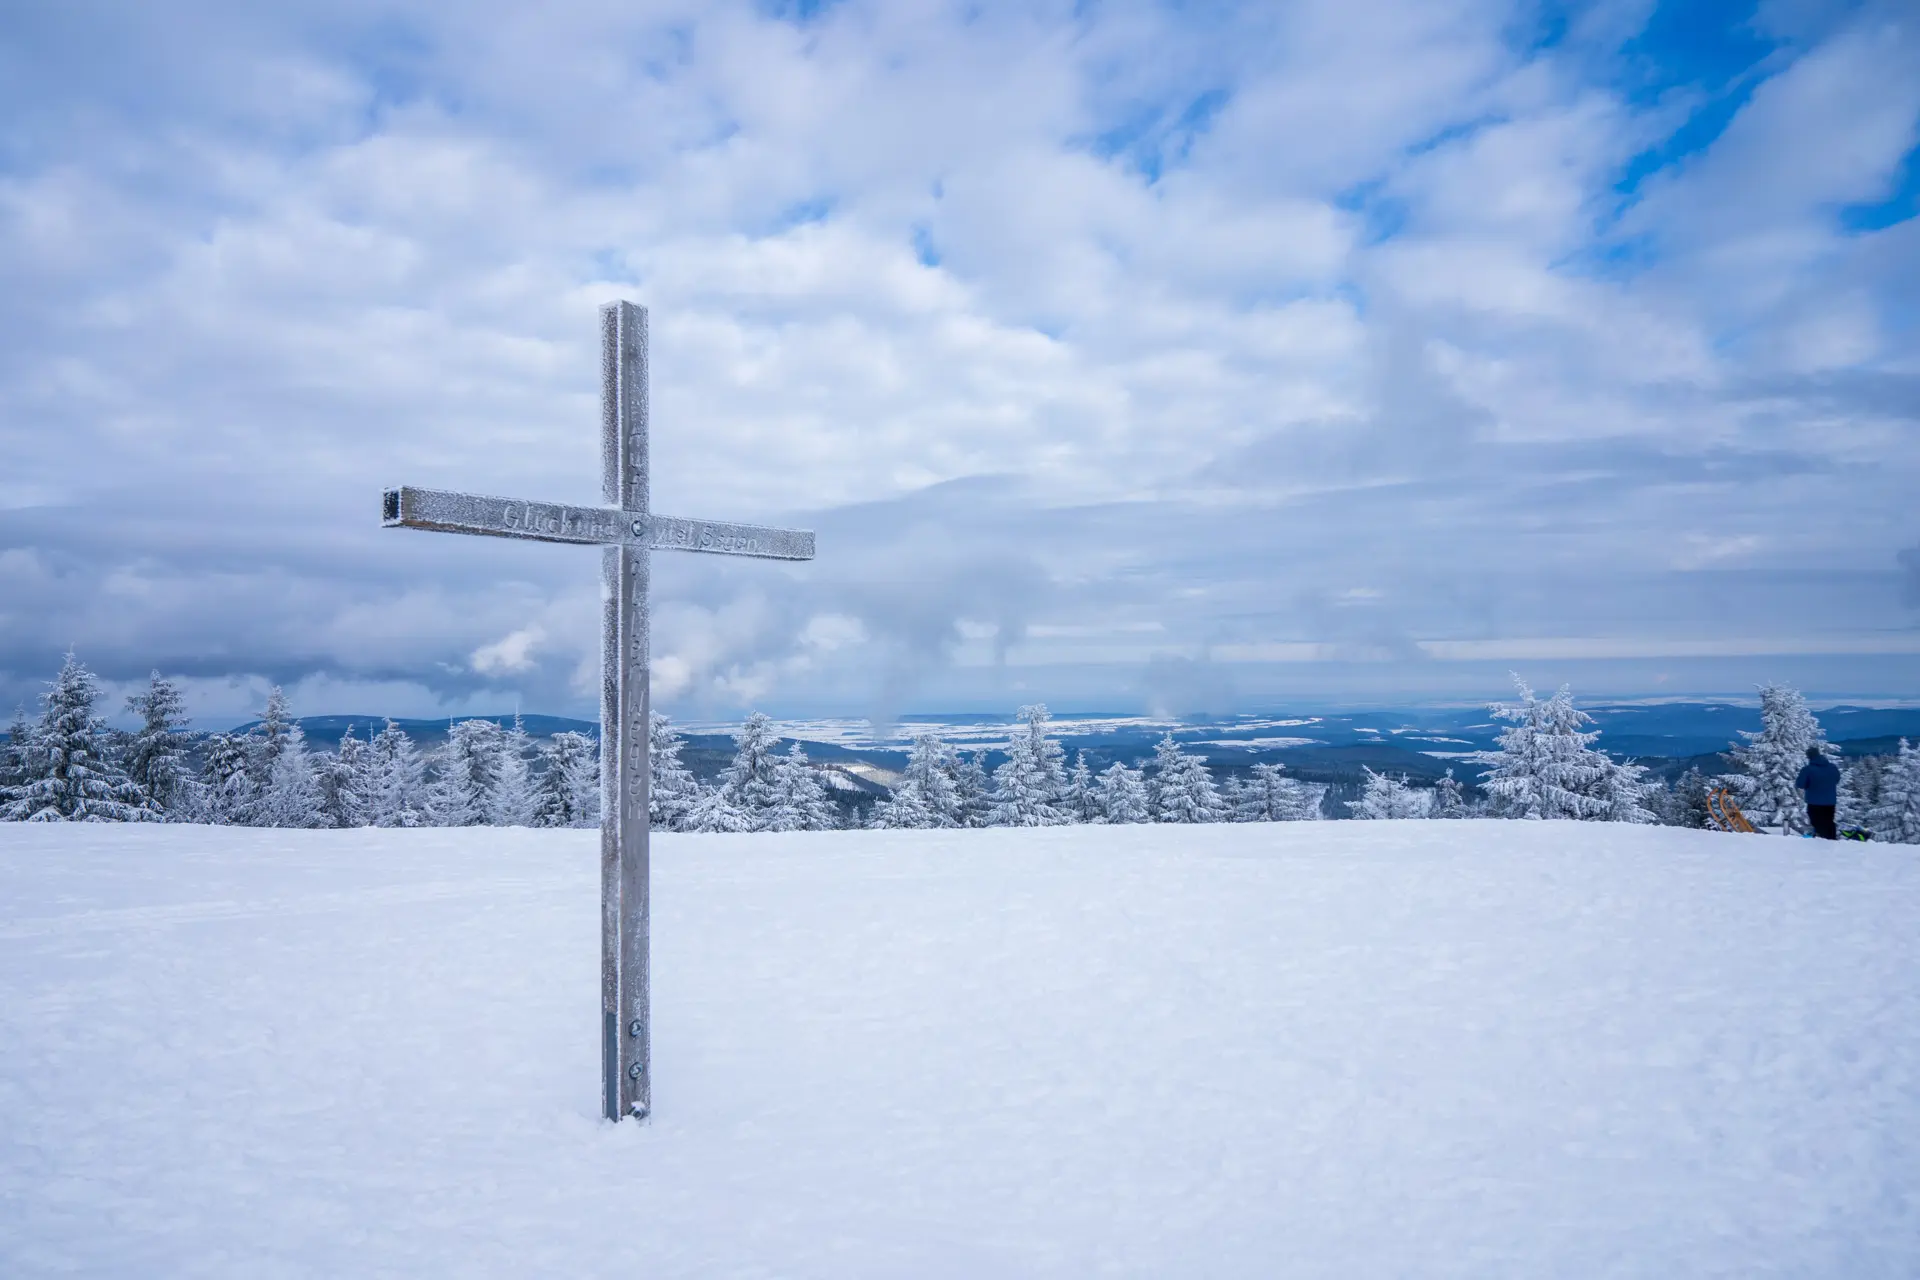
point(1726, 814)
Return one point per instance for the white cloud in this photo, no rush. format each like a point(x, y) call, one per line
point(510, 654)
point(1118, 332)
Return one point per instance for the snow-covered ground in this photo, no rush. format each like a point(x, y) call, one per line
point(1317, 1049)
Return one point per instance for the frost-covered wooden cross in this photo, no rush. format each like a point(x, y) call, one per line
point(628, 531)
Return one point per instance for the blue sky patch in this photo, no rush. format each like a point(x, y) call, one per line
point(923, 247)
point(1901, 203)
point(802, 212)
point(1149, 137)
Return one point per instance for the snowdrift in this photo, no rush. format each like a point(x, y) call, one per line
point(1313, 1049)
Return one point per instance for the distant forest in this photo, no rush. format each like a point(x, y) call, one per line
point(67, 765)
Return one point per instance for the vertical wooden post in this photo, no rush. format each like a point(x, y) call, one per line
point(626, 1024)
point(628, 534)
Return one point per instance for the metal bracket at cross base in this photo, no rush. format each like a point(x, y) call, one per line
point(627, 533)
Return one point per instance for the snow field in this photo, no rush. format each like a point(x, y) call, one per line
point(1312, 1049)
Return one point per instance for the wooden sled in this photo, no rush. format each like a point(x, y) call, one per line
point(1726, 814)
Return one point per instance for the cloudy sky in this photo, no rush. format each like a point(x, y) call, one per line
point(1183, 357)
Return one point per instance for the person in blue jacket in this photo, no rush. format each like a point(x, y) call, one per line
point(1819, 781)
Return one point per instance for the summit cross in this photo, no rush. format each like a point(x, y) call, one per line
point(627, 531)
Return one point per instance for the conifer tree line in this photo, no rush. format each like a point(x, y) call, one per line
point(67, 765)
point(1546, 767)
point(1035, 787)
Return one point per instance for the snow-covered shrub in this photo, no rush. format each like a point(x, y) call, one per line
point(1266, 796)
point(1684, 804)
point(1387, 797)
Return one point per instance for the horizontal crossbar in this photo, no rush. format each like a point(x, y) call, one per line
point(443, 512)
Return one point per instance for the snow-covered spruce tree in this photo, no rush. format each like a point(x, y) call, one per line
point(1233, 794)
point(1386, 797)
point(937, 772)
point(226, 782)
point(713, 811)
point(1166, 757)
point(69, 773)
point(1081, 799)
point(929, 790)
point(973, 792)
point(1895, 818)
point(801, 802)
point(1771, 759)
point(513, 806)
point(1860, 782)
point(1180, 788)
point(1266, 796)
point(291, 797)
point(749, 792)
point(336, 780)
point(265, 742)
point(567, 791)
point(903, 810)
point(468, 791)
point(155, 754)
point(672, 790)
point(1684, 804)
point(13, 759)
point(1626, 791)
point(1449, 798)
point(1122, 794)
point(1546, 766)
point(1243, 799)
point(394, 784)
point(1027, 788)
